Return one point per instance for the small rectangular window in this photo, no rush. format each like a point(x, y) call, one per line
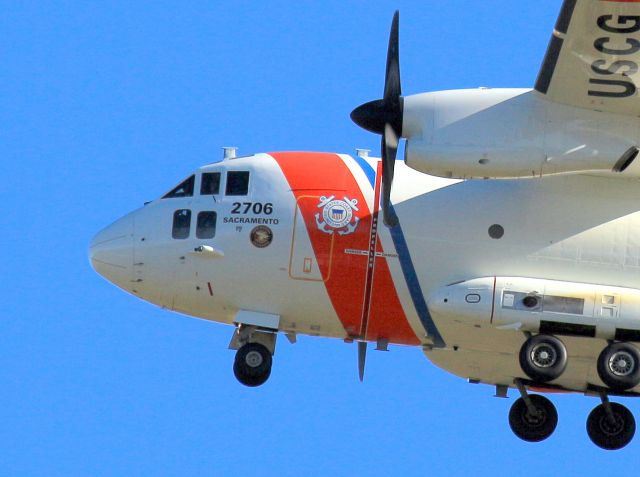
point(210, 183)
point(563, 304)
point(181, 224)
point(237, 183)
point(184, 189)
point(206, 226)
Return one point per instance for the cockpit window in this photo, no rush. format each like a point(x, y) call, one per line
point(237, 183)
point(181, 224)
point(206, 225)
point(184, 189)
point(210, 183)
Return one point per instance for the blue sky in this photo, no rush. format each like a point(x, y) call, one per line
point(105, 105)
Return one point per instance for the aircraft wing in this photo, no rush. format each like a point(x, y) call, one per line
point(594, 55)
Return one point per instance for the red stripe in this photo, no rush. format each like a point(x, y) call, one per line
point(310, 176)
point(538, 389)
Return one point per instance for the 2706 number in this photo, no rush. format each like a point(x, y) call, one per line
point(255, 207)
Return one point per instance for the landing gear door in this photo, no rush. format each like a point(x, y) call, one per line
point(311, 262)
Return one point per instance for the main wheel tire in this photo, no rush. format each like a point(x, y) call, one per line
point(537, 427)
point(609, 435)
point(619, 366)
point(252, 365)
point(543, 358)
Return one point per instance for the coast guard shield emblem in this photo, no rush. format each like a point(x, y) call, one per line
point(337, 215)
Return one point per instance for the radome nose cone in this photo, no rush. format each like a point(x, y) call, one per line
point(111, 251)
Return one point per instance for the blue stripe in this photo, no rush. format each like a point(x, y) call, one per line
point(408, 270)
point(367, 169)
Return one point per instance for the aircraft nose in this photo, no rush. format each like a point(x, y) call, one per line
point(111, 252)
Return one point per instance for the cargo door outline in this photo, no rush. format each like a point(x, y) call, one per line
point(304, 261)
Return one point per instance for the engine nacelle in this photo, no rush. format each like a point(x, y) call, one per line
point(542, 306)
point(512, 133)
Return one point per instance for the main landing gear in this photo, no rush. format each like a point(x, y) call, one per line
point(543, 358)
point(255, 348)
point(619, 366)
point(610, 425)
point(532, 418)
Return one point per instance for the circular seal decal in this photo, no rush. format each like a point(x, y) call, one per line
point(261, 236)
point(337, 214)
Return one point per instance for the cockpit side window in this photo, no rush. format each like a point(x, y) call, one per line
point(181, 224)
point(206, 225)
point(237, 183)
point(184, 189)
point(210, 183)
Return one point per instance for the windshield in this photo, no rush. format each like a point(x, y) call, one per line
point(184, 189)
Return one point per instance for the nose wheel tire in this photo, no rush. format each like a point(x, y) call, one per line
point(611, 432)
point(619, 366)
point(543, 358)
point(534, 427)
point(252, 365)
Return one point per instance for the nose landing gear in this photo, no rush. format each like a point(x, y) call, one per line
point(255, 347)
point(252, 365)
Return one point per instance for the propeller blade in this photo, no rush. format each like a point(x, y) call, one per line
point(392, 87)
point(389, 152)
point(362, 356)
point(384, 117)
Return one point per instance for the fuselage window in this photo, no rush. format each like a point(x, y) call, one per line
point(210, 183)
point(181, 224)
point(206, 225)
point(184, 189)
point(237, 183)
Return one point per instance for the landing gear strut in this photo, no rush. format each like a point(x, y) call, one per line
point(532, 418)
point(610, 425)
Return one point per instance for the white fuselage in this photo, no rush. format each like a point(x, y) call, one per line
point(321, 275)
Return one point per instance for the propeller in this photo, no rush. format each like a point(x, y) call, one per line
point(384, 117)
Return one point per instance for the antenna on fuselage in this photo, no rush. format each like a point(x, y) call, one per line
point(229, 152)
point(362, 357)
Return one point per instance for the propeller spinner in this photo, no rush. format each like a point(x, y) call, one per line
point(384, 117)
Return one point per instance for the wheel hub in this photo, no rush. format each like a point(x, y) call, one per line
point(611, 428)
point(543, 355)
point(622, 363)
point(536, 419)
point(253, 359)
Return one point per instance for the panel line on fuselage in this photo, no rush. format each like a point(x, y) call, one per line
point(408, 269)
point(371, 259)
